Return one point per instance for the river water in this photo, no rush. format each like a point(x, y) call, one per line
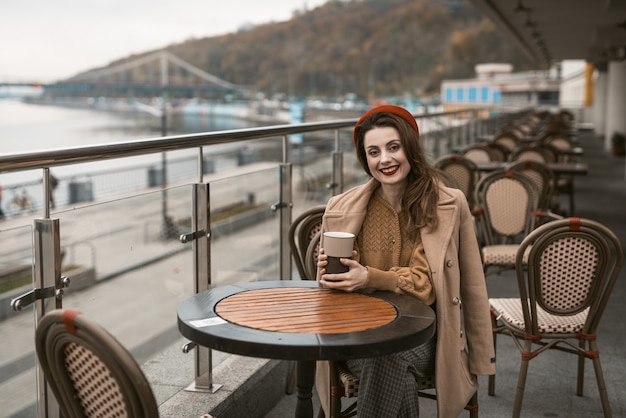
point(30, 127)
point(26, 127)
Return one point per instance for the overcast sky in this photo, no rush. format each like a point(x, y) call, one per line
point(48, 40)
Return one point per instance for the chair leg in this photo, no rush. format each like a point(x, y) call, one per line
point(604, 398)
point(472, 406)
point(521, 381)
point(492, 377)
point(336, 391)
point(581, 370)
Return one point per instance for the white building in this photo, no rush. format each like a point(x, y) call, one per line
point(497, 84)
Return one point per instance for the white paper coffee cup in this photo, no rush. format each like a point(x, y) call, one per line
point(338, 245)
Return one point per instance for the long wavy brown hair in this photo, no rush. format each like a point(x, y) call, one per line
point(422, 191)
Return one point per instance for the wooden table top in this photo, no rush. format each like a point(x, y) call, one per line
point(305, 310)
point(299, 320)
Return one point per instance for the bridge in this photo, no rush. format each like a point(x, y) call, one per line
point(152, 75)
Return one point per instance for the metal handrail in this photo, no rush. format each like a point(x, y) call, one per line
point(90, 153)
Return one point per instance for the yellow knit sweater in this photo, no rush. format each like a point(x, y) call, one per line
point(394, 258)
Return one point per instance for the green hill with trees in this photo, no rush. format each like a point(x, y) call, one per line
point(373, 48)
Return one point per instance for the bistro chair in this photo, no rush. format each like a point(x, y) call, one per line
point(462, 171)
point(301, 231)
point(506, 205)
point(312, 251)
point(499, 151)
point(447, 179)
point(561, 146)
point(478, 153)
point(90, 373)
point(508, 140)
point(533, 152)
point(564, 287)
point(549, 153)
point(543, 178)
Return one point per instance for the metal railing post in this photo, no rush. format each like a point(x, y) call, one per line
point(336, 180)
point(48, 283)
point(285, 206)
point(200, 237)
point(285, 209)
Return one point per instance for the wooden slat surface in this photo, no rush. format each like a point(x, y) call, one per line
point(305, 310)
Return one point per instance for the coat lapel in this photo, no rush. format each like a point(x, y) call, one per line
point(437, 242)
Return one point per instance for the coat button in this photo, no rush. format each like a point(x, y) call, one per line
point(449, 263)
point(456, 300)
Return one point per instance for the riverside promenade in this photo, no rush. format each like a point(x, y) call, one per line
point(551, 382)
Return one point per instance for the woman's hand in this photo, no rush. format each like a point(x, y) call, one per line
point(354, 279)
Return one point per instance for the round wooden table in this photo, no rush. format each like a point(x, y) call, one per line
point(299, 320)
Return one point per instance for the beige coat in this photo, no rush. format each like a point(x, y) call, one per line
point(464, 338)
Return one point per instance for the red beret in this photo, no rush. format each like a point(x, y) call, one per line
point(396, 110)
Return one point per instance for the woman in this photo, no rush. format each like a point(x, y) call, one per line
point(414, 236)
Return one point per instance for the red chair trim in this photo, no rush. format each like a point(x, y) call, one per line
point(68, 319)
point(574, 224)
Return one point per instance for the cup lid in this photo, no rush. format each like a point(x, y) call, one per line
point(339, 234)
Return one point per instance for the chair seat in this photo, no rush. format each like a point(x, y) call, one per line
point(501, 254)
point(510, 311)
point(350, 382)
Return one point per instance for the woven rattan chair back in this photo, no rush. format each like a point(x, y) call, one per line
point(574, 267)
point(462, 171)
point(499, 152)
point(447, 179)
point(90, 373)
point(301, 231)
point(478, 153)
point(530, 153)
point(506, 207)
point(566, 270)
point(312, 252)
point(543, 178)
point(505, 201)
point(508, 141)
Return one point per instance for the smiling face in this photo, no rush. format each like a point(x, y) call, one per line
point(386, 159)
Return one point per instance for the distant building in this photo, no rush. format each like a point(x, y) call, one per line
point(497, 84)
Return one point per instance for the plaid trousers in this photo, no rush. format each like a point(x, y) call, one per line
point(387, 384)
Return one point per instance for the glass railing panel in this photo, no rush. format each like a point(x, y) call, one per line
point(128, 269)
point(245, 242)
point(313, 164)
point(312, 167)
point(353, 173)
point(18, 385)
